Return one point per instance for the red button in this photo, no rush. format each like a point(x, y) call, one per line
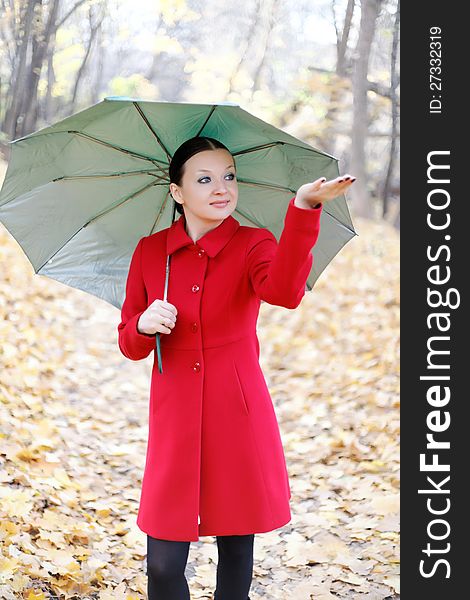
point(197, 366)
point(194, 327)
point(201, 252)
point(195, 288)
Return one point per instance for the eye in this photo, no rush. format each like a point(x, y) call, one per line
point(232, 175)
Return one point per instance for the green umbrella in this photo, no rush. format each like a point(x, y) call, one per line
point(78, 195)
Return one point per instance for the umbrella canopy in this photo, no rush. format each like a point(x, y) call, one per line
point(78, 195)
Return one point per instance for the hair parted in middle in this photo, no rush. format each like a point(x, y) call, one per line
point(184, 152)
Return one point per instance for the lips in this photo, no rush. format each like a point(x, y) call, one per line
point(220, 203)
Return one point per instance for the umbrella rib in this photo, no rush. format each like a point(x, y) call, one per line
point(159, 214)
point(263, 146)
point(114, 147)
point(256, 148)
point(340, 222)
point(256, 184)
point(104, 175)
point(136, 193)
point(244, 215)
point(146, 121)
point(293, 191)
point(310, 149)
point(278, 143)
point(211, 112)
point(266, 185)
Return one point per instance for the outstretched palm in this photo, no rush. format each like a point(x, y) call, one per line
point(321, 190)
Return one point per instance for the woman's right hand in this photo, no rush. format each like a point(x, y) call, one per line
point(160, 317)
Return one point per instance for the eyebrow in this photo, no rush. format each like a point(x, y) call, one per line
point(208, 171)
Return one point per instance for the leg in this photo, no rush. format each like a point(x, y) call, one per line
point(166, 563)
point(235, 567)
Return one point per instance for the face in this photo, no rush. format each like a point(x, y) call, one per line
point(209, 189)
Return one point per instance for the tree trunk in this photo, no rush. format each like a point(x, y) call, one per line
point(329, 135)
point(359, 192)
point(48, 107)
point(394, 137)
point(248, 39)
point(41, 40)
point(98, 70)
point(20, 72)
point(268, 39)
point(94, 27)
point(28, 56)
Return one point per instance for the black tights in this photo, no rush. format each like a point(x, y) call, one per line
point(166, 563)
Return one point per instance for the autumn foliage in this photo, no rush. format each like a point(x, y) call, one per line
point(73, 430)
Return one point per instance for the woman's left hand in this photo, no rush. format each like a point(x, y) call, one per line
point(320, 190)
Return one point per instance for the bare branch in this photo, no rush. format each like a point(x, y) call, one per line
point(69, 14)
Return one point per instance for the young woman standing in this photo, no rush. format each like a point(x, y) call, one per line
point(215, 463)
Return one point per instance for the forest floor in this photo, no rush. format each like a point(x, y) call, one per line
point(73, 430)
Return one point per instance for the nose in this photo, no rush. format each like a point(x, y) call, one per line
point(221, 188)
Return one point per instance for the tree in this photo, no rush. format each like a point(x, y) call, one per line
point(32, 30)
point(394, 134)
point(360, 123)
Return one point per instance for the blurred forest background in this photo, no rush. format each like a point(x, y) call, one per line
point(73, 410)
point(325, 71)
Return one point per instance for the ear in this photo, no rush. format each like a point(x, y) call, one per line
point(175, 193)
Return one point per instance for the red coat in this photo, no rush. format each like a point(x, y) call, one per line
point(214, 450)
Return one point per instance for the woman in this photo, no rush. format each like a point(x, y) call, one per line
point(215, 463)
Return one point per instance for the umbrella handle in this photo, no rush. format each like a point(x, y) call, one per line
point(159, 352)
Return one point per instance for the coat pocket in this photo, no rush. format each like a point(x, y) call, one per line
point(242, 395)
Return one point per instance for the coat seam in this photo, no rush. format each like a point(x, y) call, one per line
point(205, 347)
point(261, 471)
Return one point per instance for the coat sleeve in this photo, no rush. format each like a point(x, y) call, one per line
point(133, 344)
point(278, 272)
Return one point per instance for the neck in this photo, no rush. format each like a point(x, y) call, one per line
point(196, 227)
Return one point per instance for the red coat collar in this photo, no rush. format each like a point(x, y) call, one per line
point(212, 242)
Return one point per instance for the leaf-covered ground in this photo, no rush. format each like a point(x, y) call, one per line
point(73, 427)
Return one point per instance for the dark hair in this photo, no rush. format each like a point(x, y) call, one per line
point(184, 152)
